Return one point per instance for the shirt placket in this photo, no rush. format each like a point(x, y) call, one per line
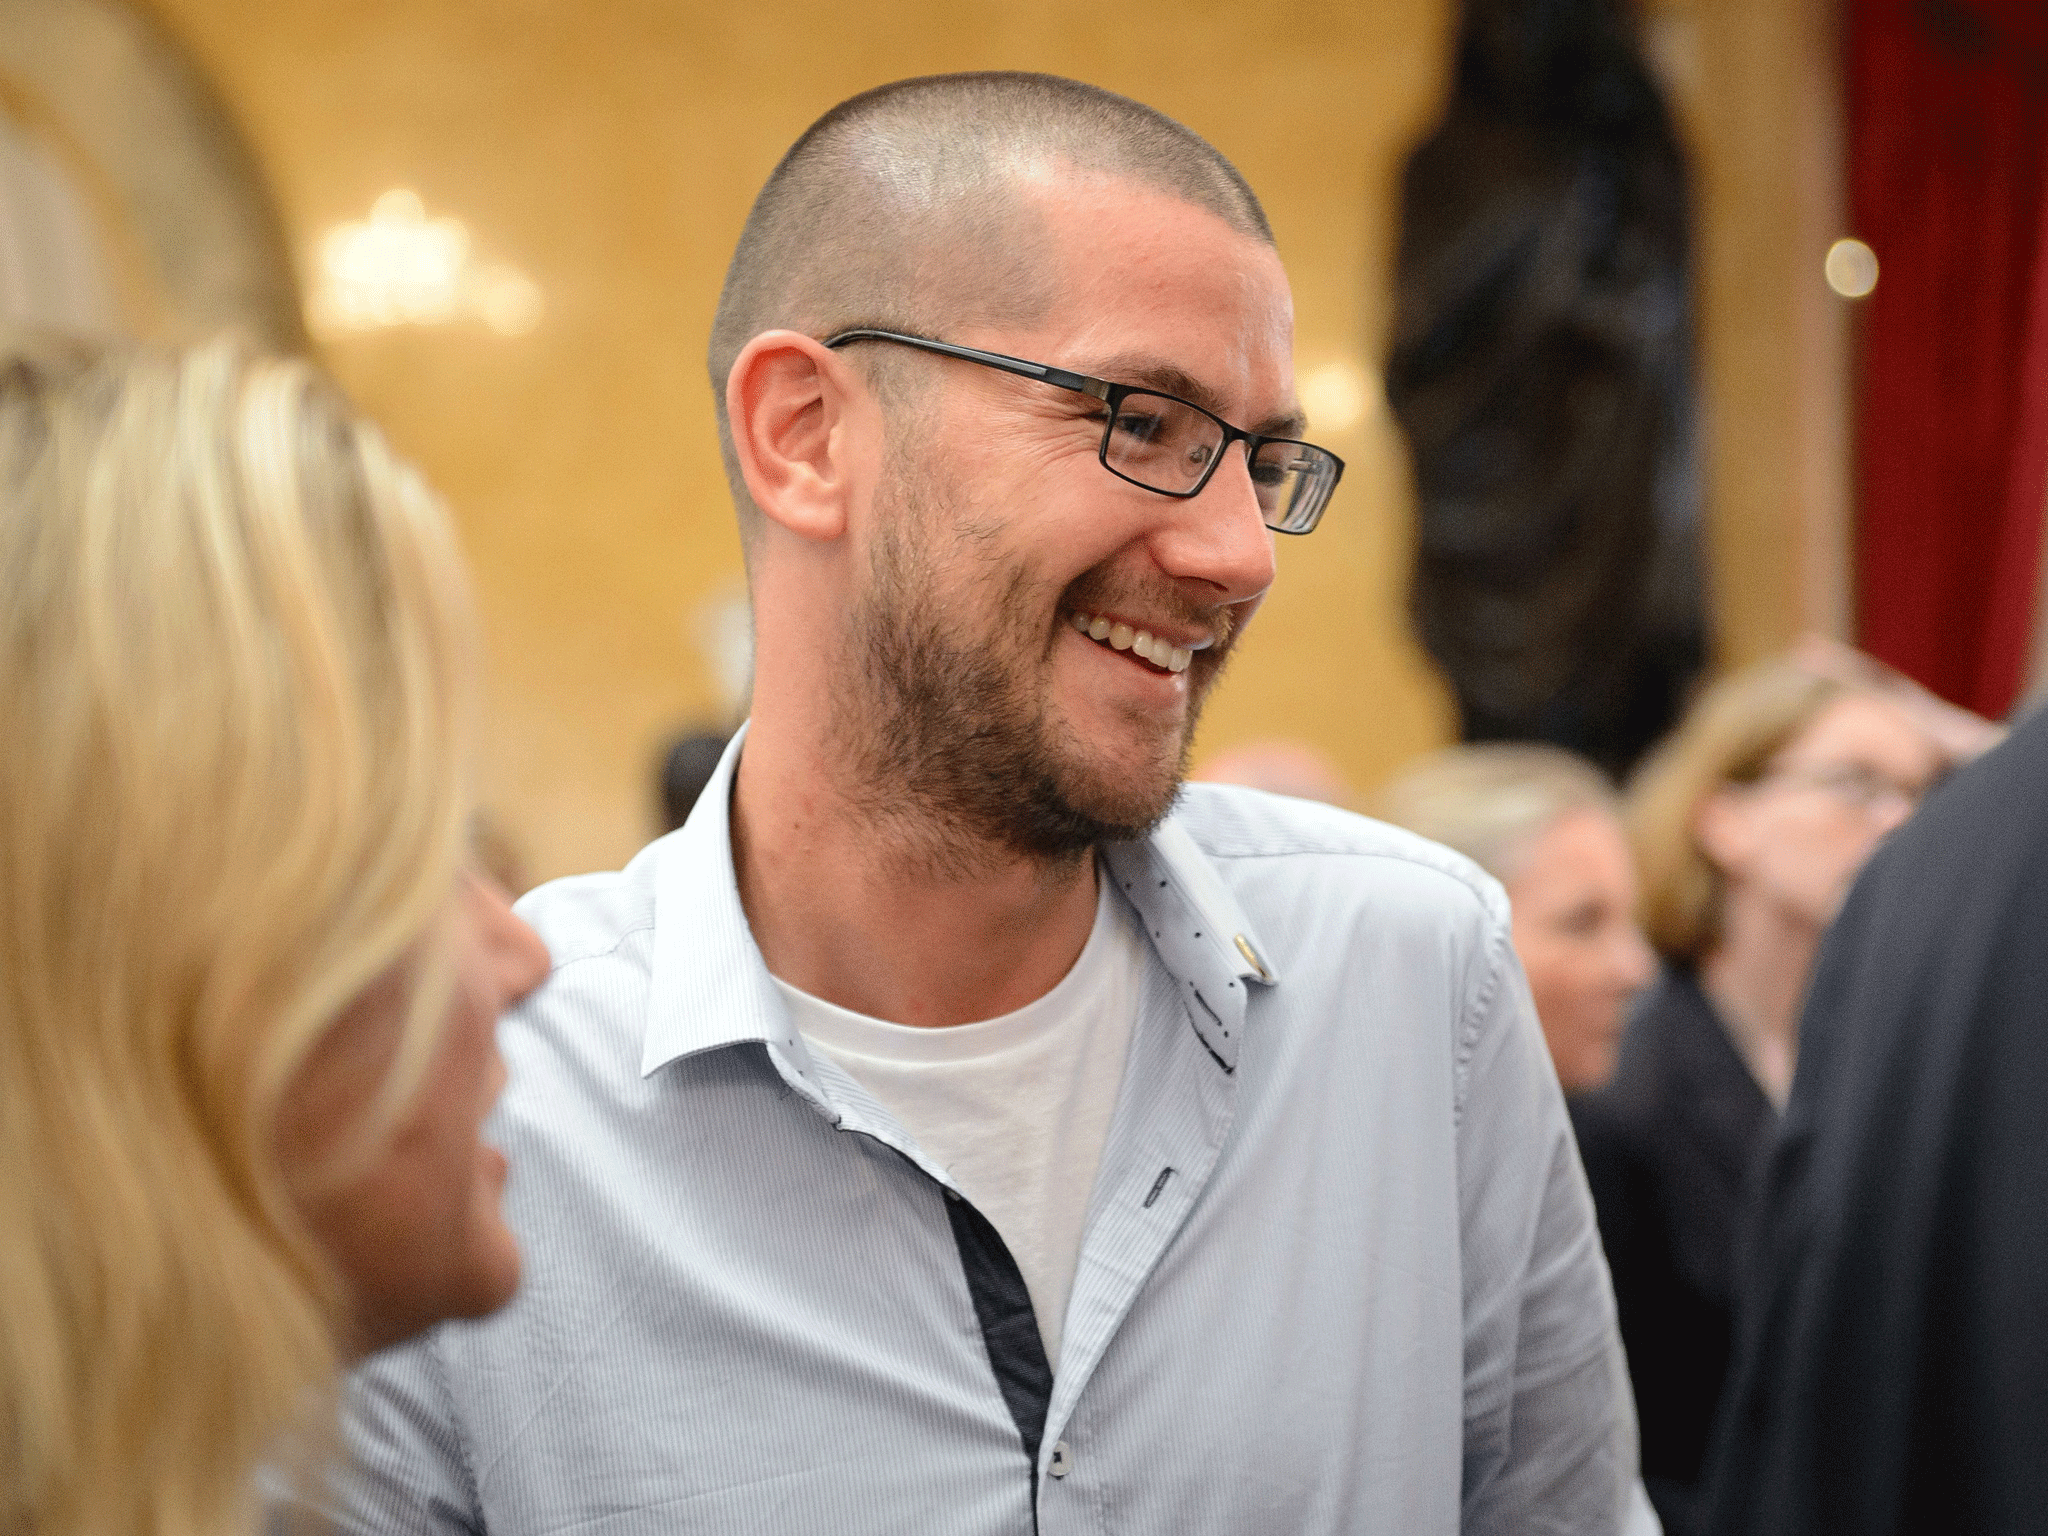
point(1173, 1115)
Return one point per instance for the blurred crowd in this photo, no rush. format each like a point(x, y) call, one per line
point(1669, 931)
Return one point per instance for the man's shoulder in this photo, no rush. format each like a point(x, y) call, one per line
point(586, 1025)
point(1353, 856)
point(587, 917)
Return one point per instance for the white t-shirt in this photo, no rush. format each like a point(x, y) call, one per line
point(1015, 1108)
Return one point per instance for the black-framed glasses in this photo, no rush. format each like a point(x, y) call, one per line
point(1166, 444)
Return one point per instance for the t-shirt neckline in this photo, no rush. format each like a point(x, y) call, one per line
point(843, 1031)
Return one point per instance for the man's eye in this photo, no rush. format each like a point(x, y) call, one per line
point(1140, 426)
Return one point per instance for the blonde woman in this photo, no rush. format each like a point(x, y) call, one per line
point(247, 993)
point(1546, 824)
point(1750, 823)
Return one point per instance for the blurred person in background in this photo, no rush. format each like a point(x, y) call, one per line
point(247, 992)
point(1279, 767)
point(687, 763)
point(1749, 822)
point(1546, 824)
point(1891, 1370)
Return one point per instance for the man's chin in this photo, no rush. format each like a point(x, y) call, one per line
point(1130, 820)
point(1127, 800)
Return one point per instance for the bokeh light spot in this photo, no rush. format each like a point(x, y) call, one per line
point(1851, 268)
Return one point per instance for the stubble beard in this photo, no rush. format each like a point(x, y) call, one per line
point(955, 750)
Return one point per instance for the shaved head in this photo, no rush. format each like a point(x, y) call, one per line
point(909, 208)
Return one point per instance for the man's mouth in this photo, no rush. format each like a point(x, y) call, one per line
point(1162, 653)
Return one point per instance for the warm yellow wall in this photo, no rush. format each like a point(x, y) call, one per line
point(1756, 87)
point(611, 150)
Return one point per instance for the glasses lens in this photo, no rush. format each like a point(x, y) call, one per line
point(1161, 442)
point(1294, 482)
point(1169, 445)
point(1866, 789)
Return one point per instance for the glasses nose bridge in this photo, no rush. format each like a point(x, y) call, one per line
point(1232, 436)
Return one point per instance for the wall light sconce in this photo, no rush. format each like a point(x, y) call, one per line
point(1339, 395)
point(400, 267)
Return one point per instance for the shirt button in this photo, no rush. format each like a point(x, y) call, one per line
point(1062, 1460)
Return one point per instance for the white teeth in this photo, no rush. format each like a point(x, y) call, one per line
point(1172, 658)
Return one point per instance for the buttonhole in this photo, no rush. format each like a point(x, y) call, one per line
point(1157, 1185)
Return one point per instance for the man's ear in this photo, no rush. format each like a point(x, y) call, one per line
point(797, 415)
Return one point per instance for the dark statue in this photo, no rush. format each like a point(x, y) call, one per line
point(1542, 370)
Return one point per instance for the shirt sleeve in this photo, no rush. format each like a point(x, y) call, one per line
point(405, 1470)
point(1550, 1427)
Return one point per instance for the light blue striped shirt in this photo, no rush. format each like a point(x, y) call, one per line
point(1340, 1271)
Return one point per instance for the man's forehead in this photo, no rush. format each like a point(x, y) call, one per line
point(1151, 289)
point(1118, 215)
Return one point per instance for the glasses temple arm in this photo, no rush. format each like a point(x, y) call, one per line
point(1058, 377)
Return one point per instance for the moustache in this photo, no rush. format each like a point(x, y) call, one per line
point(1165, 606)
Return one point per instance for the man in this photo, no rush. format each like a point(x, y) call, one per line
point(936, 1134)
point(1891, 1372)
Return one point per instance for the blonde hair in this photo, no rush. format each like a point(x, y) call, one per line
point(1729, 736)
point(1491, 800)
point(235, 685)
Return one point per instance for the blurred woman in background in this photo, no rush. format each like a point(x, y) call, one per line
point(247, 993)
point(1543, 822)
point(1750, 822)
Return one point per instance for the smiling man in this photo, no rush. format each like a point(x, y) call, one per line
point(956, 1126)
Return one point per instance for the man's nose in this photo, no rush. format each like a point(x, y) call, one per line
point(1220, 537)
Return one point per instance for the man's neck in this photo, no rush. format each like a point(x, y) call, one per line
point(860, 914)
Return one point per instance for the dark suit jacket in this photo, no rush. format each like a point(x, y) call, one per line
point(1892, 1368)
point(1669, 1145)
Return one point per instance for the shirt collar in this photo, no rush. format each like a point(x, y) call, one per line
point(1198, 930)
point(711, 987)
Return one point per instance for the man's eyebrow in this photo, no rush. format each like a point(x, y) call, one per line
point(1151, 373)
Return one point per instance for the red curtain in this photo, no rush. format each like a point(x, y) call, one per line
point(1948, 183)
